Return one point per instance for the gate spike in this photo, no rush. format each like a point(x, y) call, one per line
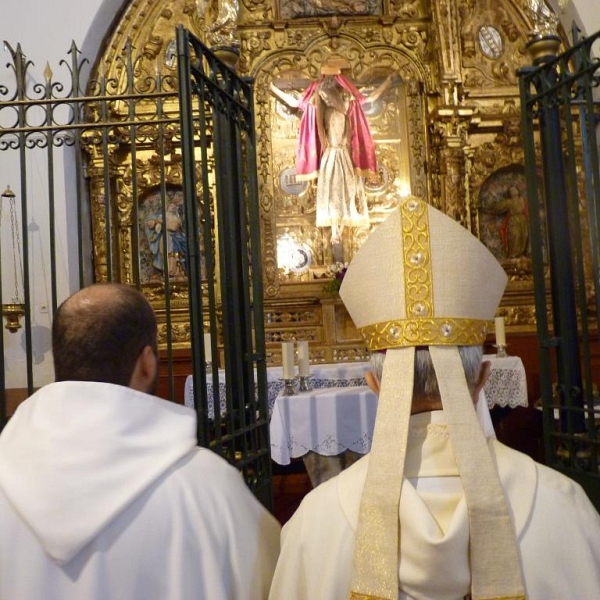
point(48, 72)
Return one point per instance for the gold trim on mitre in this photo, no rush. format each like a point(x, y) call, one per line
point(355, 596)
point(418, 277)
point(425, 332)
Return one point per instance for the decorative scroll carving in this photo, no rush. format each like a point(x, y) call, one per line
point(254, 12)
point(253, 44)
point(357, 353)
point(412, 9)
point(492, 39)
point(294, 9)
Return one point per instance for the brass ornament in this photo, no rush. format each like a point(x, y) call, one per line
point(438, 331)
point(13, 313)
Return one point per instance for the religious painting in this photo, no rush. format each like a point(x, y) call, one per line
point(503, 214)
point(294, 9)
point(163, 243)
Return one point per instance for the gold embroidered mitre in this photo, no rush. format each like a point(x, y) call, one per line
point(421, 279)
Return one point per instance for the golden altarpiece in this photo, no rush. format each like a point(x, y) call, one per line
point(447, 129)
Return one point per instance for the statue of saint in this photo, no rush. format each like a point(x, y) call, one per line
point(514, 229)
point(222, 31)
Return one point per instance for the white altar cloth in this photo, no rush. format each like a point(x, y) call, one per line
point(330, 421)
point(507, 383)
point(321, 376)
point(327, 421)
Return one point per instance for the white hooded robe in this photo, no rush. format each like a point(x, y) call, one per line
point(105, 496)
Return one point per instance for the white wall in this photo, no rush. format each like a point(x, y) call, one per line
point(44, 30)
point(586, 13)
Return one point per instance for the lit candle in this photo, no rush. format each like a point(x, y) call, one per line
point(287, 359)
point(500, 332)
point(207, 348)
point(303, 360)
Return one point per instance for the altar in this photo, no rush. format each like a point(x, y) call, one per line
point(331, 427)
point(336, 417)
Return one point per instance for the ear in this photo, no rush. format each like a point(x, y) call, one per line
point(372, 381)
point(484, 373)
point(144, 373)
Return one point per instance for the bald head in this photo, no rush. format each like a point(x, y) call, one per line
point(99, 333)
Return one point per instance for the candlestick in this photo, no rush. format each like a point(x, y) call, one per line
point(287, 359)
point(304, 384)
point(303, 359)
point(207, 348)
point(208, 352)
point(500, 331)
point(288, 387)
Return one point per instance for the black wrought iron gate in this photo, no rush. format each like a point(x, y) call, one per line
point(127, 156)
point(217, 129)
point(560, 119)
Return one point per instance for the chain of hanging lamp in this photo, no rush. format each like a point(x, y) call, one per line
point(16, 238)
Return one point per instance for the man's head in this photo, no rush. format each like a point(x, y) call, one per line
point(331, 94)
point(426, 392)
point(107, 333)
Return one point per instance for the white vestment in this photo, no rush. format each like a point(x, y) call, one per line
point(105, 496)
point(557, 526)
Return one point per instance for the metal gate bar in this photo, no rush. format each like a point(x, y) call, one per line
point(559, 123)
point(214, 99)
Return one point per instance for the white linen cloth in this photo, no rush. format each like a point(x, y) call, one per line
point(507, 383)
point(104, 494)
point(327, 421)
point(321, 376)
point(333, 420)
point(558, 529)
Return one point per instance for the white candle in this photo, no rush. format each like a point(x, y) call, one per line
point(207, 348)
point(287, 359)
point(303, 360)
point(500, 332)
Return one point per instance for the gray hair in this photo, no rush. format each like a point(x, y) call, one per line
point(425, 380)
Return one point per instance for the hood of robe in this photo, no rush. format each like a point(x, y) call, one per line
point(75, 454)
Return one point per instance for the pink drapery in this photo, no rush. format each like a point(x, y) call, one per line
point(363, 146)
point(308, 149)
